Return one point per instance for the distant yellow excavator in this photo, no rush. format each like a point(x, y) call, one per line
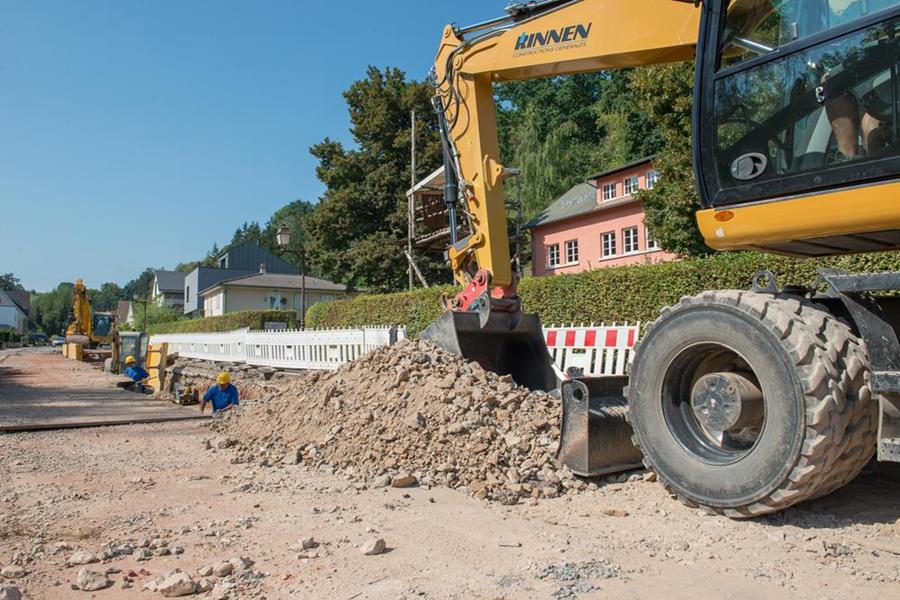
point(88, 329)
point(744, 402)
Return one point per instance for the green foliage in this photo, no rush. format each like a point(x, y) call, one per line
point(9, 281)
point(231, 322)
point(155, 315)
point(414, 309)
point(358, 229)
point(633, 293)
point(106, 299)
point(50, 311)
point(140, 285)
point(664, 94)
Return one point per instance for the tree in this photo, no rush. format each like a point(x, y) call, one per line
point(50, 311)
point(293, 216)
point(549, 130)
point(664, 92)
point(357, 231)
point(140, 285)
point(8, 281)
point(107, 297)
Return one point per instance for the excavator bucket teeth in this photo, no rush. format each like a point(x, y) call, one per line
point(506, 343)
point(595, 438)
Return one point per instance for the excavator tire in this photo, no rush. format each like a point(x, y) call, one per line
point(819, 425)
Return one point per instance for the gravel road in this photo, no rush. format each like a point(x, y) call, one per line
point(145, 500)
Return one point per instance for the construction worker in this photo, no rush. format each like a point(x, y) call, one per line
point(223, 395)
point(134, 372)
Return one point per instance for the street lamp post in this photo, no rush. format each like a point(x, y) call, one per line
point(283, 238)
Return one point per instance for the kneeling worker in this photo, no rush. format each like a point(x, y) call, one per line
point(134, 372)
point(223, 395)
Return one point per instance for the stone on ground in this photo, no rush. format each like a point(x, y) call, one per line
point(373, 547)
point(89, 580)
point(13, 572)
point(177, 584)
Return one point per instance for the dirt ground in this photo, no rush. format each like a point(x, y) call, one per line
point(88, 489)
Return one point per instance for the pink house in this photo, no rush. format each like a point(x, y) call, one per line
point(596, 224)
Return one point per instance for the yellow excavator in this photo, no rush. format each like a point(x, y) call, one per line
point(88, 329)
point(743, 402)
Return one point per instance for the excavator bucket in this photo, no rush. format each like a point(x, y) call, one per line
point(508, 343)
point(595, 438)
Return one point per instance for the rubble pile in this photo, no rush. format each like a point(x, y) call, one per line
point(411, 414)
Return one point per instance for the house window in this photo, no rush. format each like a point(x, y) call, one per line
point(652, 178)
point(630, 239)
point(187, 294)
point(631, 185)
point(609, 244)
point(274, 301)
point(572, 252)
point(651, 243)
point(328, 298)
point(553, 255)
point(609, 191)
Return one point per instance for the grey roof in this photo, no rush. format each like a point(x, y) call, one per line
point(580, 200)
point(170, 281)
point(278, 280)
point(620, 168)
point(22, 298)
point(249, 256)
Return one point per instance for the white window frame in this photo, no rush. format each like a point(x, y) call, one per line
point(553, 256)
point(631, 185)
point(609, 191)
point(277, 297)
point(630, 234)
point(605, 238)
point(568, 246)
point(652, 178)
point(650, 241)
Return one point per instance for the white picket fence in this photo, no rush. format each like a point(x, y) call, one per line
point(325, 349)
point(600, 351)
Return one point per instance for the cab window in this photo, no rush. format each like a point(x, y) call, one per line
point(815, 107)
point(757, 27)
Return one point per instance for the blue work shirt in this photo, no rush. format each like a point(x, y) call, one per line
point(136, 374)
point(222, 398)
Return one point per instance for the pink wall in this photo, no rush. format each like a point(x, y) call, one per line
point(622, 213)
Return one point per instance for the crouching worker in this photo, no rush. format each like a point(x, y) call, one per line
point(135, 373)
point(223, 395)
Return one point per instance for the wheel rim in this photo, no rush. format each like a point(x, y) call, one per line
point(712, 403)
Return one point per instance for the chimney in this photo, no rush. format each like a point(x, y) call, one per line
point(262, 268)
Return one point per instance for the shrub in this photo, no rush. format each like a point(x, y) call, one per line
point(633, 293)
point(230, 322)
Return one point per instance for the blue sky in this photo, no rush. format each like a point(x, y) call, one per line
point(136, 134)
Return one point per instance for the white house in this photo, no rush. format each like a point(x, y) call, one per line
point(13, 316)
point(268, 291)
point(168, 289)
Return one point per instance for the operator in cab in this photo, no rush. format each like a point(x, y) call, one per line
point(223, 396)
point(136, 373)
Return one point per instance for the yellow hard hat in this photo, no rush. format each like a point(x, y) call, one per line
point(129, 360)
point(223, 378)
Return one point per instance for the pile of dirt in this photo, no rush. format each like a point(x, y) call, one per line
point(408, 413)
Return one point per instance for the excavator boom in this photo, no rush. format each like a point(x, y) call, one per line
point(548, 39)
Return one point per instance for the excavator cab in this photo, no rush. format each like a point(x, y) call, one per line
point(797, 136)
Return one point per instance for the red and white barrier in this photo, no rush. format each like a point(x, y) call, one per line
point(604, 351)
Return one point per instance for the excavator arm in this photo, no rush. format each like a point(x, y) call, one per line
point(537, 39)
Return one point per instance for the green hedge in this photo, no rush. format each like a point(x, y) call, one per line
point(230, 322)
point(632, 293)
point(414, 309)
